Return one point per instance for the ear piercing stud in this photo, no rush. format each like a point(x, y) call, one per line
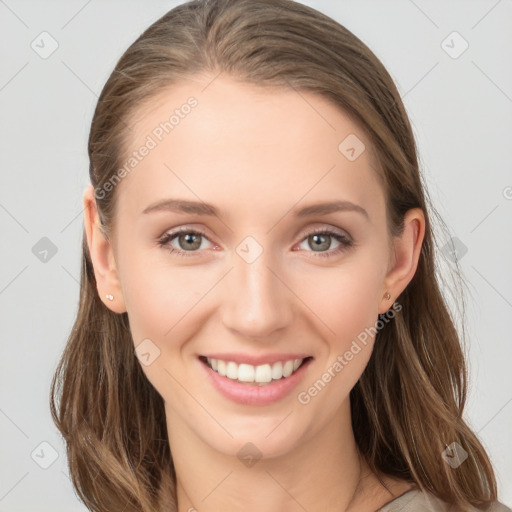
point(387, 296)
point(109, 297)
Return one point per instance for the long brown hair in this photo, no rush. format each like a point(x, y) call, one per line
point(407, 406)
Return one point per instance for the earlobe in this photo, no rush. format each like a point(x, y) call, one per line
point(407, 250)
point(102, 256)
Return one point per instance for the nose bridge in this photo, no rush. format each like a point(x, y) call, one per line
point(257, 303)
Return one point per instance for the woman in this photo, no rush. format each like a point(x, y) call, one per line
point(260, 323)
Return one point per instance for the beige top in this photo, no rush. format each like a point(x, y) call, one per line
point(418, 501)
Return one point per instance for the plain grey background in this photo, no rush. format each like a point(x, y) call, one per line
point(452, 63)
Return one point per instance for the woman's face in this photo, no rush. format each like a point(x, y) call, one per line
point(248, 176)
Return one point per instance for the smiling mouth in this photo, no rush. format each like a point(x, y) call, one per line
point(261, 375)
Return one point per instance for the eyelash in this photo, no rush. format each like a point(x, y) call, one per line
point(345, 242)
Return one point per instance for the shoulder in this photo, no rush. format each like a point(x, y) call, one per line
point(418, 501)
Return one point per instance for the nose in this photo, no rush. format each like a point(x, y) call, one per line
point(257, 304)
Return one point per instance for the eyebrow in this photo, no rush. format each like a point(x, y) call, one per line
point(201, 208)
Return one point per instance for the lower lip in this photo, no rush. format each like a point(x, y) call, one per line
point(253, 394)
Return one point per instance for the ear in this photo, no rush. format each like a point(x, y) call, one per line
point(102, 256)
point(406, 253)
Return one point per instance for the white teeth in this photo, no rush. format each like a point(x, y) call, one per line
point(221, 367)
point(261, 374)
point(277, 370)
point(232, 370)
point(287, 368)
point(245, 373)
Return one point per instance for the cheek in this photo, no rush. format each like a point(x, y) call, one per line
point(346, 298)
point(164, 306)
point(160, 296)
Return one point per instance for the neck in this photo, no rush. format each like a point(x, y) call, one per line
point(323, 472)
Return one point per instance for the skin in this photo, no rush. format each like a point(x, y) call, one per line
point(256, 154)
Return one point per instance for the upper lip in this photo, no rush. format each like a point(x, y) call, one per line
point(256, 360)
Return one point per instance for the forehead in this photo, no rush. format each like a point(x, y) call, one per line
point(243, 144)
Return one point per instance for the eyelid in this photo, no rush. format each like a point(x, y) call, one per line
point(345, 241)
point(325, 229)
point(164, 239)
point(328, 230)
